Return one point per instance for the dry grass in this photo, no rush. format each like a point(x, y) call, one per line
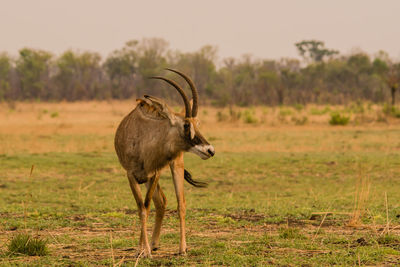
point(32, 128)
point(362, 190)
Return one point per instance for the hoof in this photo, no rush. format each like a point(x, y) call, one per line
point(183, 252)
point(154, 249)
point(142, 254)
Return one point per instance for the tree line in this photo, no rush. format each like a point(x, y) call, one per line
point(323, 76)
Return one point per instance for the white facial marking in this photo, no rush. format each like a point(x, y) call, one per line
point(203, 151)
point(192, 132)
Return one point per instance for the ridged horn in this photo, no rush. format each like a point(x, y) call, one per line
point(195, 95)
point(183, 95)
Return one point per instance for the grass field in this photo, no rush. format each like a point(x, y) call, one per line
point(285, 188)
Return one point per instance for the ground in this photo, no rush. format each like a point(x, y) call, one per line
point(285, 188)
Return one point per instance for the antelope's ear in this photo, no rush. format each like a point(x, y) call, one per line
point(155, 108)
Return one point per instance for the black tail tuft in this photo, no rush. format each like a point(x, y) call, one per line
point(188, 178)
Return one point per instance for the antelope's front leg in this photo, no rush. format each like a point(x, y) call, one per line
point(177, 169)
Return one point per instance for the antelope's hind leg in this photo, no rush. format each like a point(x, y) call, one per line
point(143, 214)
point(160, 202)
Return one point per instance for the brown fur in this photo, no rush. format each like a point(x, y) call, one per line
point(148, 139)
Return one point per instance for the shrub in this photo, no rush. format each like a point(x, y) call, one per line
point(235, 115)
point(369, 106)
point(300, 120)
point(380, 117)
point(249, 116)
point(285, 112)
point(316, 111)
point(298, 107)
point(28, 245)
point(54, 114)
point(357, 107)
point(337, 119)
point(221, 116)
point(391, 110)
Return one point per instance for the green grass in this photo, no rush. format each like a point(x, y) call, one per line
point(258, 210)
point(89, 191)
point(28, 245)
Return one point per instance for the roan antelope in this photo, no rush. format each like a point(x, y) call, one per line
point(151, 137)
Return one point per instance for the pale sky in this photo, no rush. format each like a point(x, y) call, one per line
point(265, 29)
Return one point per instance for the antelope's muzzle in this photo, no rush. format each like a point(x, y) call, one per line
point(203, 151)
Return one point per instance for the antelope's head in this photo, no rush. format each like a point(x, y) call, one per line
point(187, 125)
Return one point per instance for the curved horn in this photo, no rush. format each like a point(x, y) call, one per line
point(195, 95)
point(185, 99)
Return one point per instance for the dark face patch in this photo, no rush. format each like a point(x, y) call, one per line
point(198, 139)
point(186, 129)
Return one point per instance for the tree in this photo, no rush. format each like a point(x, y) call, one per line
point(5, 78)
point(288, 70)
point(389, 73)
point(200, 66)
point(269, 81)
point(324, 78)
point(121, 66)
point(392, 80)
point(79, 76)
point(245, 76)
point(66, 76)
point(314, 51)
point(33, 70)
point(151, 61)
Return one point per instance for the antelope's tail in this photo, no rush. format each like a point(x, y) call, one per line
point(188, 178)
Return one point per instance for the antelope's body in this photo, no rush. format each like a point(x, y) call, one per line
point(150, 138)
point(145, 144)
